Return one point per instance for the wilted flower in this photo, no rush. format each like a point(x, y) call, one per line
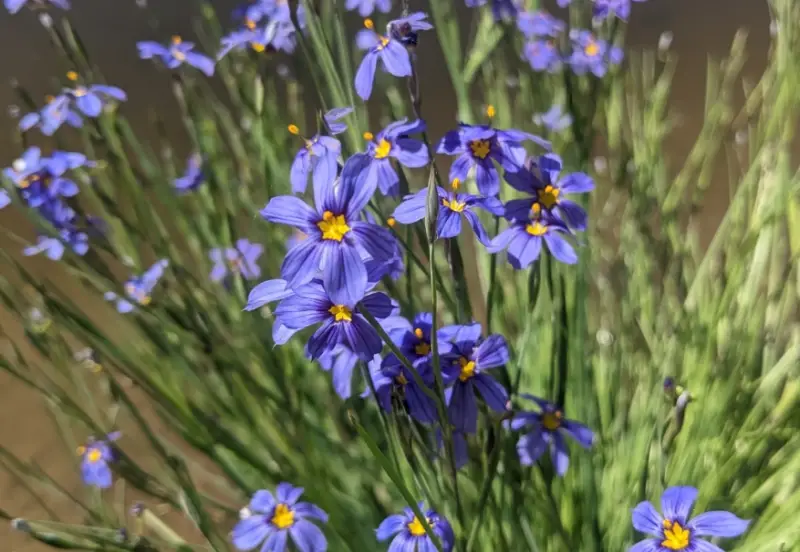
point(591, 54)
point(453, 206)
point(673, 530)
point(389, 50)
point(274, 519)
point(138, 289)
point(176, 54)
point(523, 239)
point(547, 429)
point(95, 457)
point(409, 533)
point(554, 119)
point(374, 168)
point(13, 6)
point(465, 367)
point(366, 7)
point(193, 175)
point(405, 29)
point(236, 260)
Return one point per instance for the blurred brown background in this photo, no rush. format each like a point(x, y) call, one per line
point(110, 29)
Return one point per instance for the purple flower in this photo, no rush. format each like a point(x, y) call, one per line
point(542, 55)
point(42, 179)
point(336, 237)
point(672, 528)
point(391, 51)
point(547, 191)
point(591, 54)
point(523, 239)
point(193, 175)
point(51, 247)
point(95, 457)
point(405, 29)
point(554, 119)
point(5, 199)
point(547, 429)
point(537, 24)
point(89, 100)
point(341, 362)
point(342, 323)
point(608, 8)
point(366, 7)
point(13, 6)
point(453, 206)
point(409, 533)
point(271, 520)
point(50, 118)
point(374, 168)
point(479, 146)
point(319, 155)
point(176, 54)
point(236, 260)
point(138, 289)
point(465, 367)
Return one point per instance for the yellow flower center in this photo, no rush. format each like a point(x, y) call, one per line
point(80, 92)
point(384, 41)
point(250, 24)
point(72, 75)
point(340, 312)
point(454, 205)
point(592, 49)
point(415, 527)
point(176, 39)
point(383, 149)
point(418, 332)
point(390, 222)
point(257, 47)
point(368, 135)
point(401, 379)
point(283, 517)
point(536, 229)
point(235, 265)
point(422, 349)
point(467, 368)
point(675, 536)
point(549, 196)
point(94, 456)
point(552, 420)
point(333, 227)
point(480, 148)
point(177, 54)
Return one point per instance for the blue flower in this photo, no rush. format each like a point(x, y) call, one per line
point(341, 362)
point(523, 239)
point(554, 119)
point(409, 533)
point(90, 99)
point(342, 323)
point(50, 118)
point(366, 7)
point(591, 54)
point(405, 29)
point(138, 289)
point(193, 175)
point(547, 429)
point(538, 24)
point(501, 9)
point(336, 237)
point(391, 51)
point(674, 530)
point(608, 8)
point(465, 367)
point(547, 191)
point(13, 6)
point(453, 205)
point(479, 146)
point(42, 179)
point(271, 520)
point(176, 54)
point(236, 260)
point(374, 168)
point(51, 247)
point(542, 55)
point(95, 457)
point(5, 199)
point(319, 155)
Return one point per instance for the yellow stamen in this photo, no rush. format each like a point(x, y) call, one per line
point(390, 222)
point(383, 149)
point(592, 49)
point(333, 227)
point(94, 456)
point(456, 183)
point(454, 205)
point(257, 47)
point(283, 517)
point(552, 420)
point(467, 368)
point(401, 379)
point(340, 313)
point(250, 24)
point(368, 136)
point(384, 41)
point(549, 196)
point(536, 208)
point(293, 129)
point(369, 24)
point(145, 300)
point(415, 527)
point(480, 148)
point(180, 56)
point(49, 98)
point(80, 92)
point(675, 536)
point(72, 75)
point(176, 39)
point(418, 332)
point(536, 229)
point(422, 349)
point(490, 111)
point(80, 451)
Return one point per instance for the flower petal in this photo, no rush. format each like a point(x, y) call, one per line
point(249, 533)
point(378, 242)
point(262, 501)
point(396, 59)
point(677, 502)
point(559, 454)
point(412, 209)
point(378, 304)
point(494, 394)
point(308, 510)
point(530, 447)
point(308, 537)
point(302, 262)
point(649, 545)
point(298, 173)
point(410, 153)
point(365, 76)
point(646, 519)
point(362, 338)
point(390, 526)
point(560, 248)
point(493, 352)
point(718, 524)
point(344, 274)
point(463, 408)
point(292, 211)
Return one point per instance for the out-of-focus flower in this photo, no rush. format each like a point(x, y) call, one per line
point(591, 54)
point(13, 6)
point(319, 154)
point(542, 55)
point(5, 199)
point(609, 8)
point(138, 289)
point(390, 51)
point(479, 146)
point(674, 530)
point(51, 247)
point(547, 429)
point(273, 520)
point(240, 259)
point(374, 168)
point(538, 24)
point(523, 239)
point(453, 206)
point(366, 7)
point(465, 366)
point(95, 457)
point(90, 99)
point(554, 119)
point(176, 54)
point(547, 191)
point(193, 175)
point(38, 321)
point(408, 533)
point(501, 9)
point(88, 358)
point(406, 28)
